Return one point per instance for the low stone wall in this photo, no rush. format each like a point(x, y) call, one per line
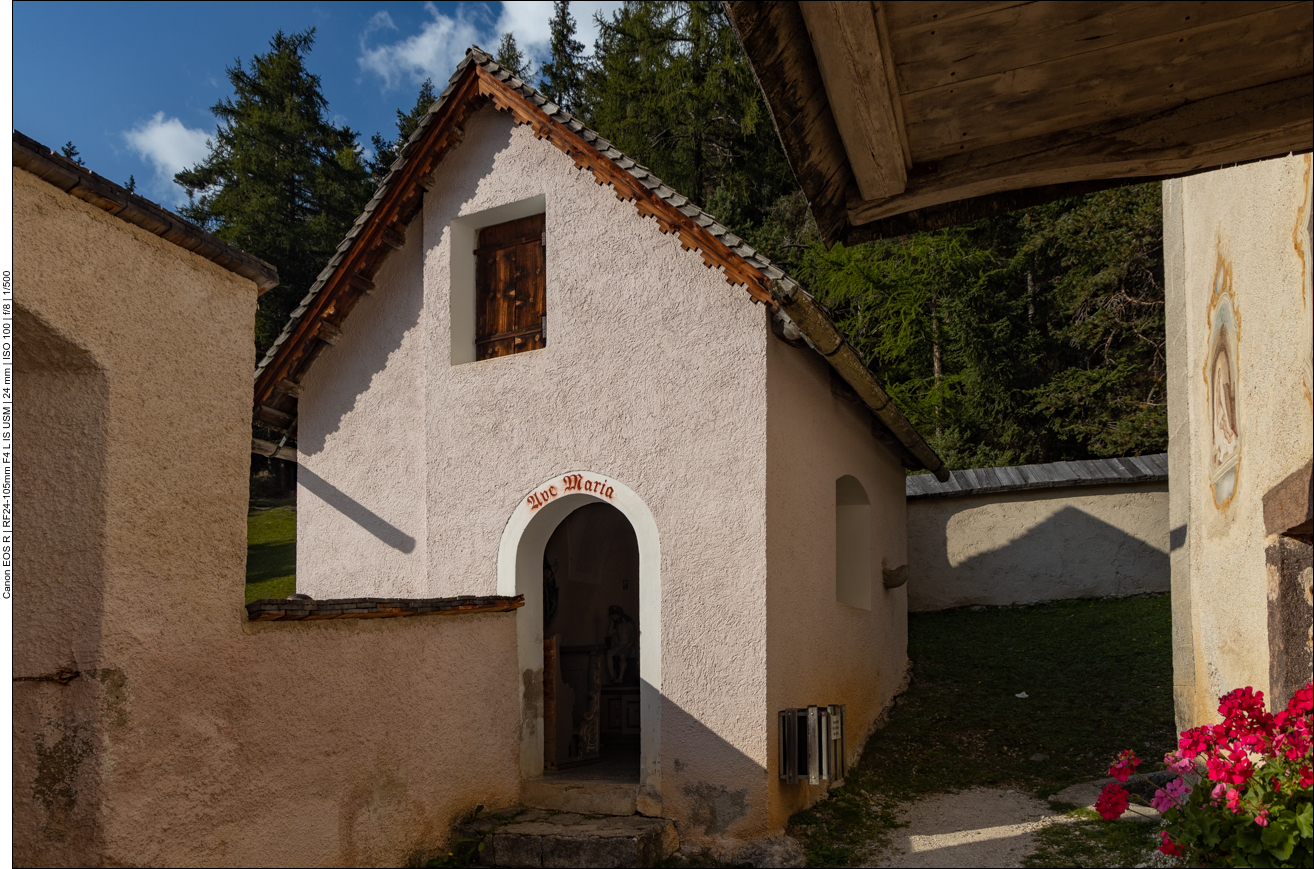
point(1077, 536)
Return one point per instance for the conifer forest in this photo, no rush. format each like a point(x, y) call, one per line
point(1033, 336)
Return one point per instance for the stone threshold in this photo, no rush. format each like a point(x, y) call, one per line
point(291, 610)
point(521, 836)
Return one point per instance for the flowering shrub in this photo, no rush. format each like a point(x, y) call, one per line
point(1243, 798)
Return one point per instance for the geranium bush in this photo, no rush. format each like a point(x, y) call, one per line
point(1243, 798)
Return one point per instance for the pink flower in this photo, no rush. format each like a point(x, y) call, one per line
point(1112, 802)
point(1124, 766)
point(1234, 800)
point(1178, 789)
point(1168, 846)
point(1161, 801)
point(1178, 764)
point(1219, 790)
point(1262, 818)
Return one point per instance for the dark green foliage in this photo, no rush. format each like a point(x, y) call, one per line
point(131, 186)
point(1098, 675)
point(385, 152)
point(1035, 336)
point(510, 56)
point(669, 86)
point(71, 151)
point(281, 180)
point(562, 77)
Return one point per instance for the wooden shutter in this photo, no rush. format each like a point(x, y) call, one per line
point(510, 288)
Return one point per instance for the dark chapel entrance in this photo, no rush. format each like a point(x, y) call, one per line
point(591, 647)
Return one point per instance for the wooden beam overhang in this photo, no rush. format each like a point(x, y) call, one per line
point(1000, 105)
point(381, 229)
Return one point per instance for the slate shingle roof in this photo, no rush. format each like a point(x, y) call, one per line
point(1095, 472)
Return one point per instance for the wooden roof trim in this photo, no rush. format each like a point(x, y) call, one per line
point(376, 232)
point(714, 251)
point(790, 80)
point(380, 229)
point(80, 182)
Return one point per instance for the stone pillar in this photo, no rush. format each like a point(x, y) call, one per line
point(1179, 452)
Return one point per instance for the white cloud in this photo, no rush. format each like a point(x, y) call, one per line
point(169, 147)
point(441, 43)
point(431, 53)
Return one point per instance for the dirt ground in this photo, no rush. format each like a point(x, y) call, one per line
point(977, 827)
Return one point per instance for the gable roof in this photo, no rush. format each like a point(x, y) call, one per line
point(380, 229)
point(78, 181)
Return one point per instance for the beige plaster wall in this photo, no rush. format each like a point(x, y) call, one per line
point(820, 651)
point(1040, 544)
point(1249, 224)
point(653, 376)
point(152, 724)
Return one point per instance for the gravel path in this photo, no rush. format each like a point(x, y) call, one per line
point(978, 827)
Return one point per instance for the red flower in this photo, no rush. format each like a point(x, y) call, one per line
point(1306, 777)
point(1234, 801)
point(1302, 702)
point(1124, 766)
point(1168, 846)
point(1112, 802)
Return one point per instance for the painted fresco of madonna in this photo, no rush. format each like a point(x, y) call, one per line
point(1221, 383)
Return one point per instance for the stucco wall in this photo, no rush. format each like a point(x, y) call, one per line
point(821, 651)
point(1243, 244)
point(1040, 544)
point(152, 724)
point(653, 376)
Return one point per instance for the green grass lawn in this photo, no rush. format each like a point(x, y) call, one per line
point(271, 550)
point(1098, 679)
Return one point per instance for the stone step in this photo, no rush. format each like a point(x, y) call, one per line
point(537, 837)
point(585, 797)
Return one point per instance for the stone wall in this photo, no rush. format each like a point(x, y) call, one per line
point(1023, 546)
point(153, 724)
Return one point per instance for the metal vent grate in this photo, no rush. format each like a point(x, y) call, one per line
point(811, 745)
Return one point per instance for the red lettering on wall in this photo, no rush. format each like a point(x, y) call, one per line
point(570, 483)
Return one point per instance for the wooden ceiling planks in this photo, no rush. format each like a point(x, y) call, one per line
point(1011, 104)
point(1050, 94)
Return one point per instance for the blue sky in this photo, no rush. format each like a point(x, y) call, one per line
point(131, 84)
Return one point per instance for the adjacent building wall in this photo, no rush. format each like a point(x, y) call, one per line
point(1033, 545)
point(152, 724)
point(1239, 281)
point(821, 651)
point(653, 376)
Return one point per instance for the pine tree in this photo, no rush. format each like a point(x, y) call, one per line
point(281, 180)
point(385, 152)
point(670, 87)
point(513, 59)
point(131, 186)
point(562, 77)
point(71, 151)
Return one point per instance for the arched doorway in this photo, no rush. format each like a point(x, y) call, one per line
point(591, 648)
point(538, 535)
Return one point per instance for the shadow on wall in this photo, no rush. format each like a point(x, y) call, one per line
point(393, 311)
point(1071, 554)
point(355, 511)
point(61, 439)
